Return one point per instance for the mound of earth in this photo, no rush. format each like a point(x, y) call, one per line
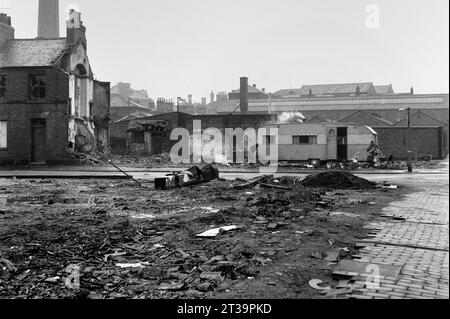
point(339, 180)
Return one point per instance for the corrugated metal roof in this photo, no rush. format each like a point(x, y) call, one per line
point(32, 52)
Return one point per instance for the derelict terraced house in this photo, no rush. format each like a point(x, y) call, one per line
point(50, 104)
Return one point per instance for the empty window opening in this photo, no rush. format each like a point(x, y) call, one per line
point(304, 140)
point(2, 86)
point(137, 138)
point(38, 86)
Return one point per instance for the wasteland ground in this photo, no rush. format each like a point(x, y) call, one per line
point(286, 237)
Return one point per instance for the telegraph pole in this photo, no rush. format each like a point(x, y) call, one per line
point(410, 166)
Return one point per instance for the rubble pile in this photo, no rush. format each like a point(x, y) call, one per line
point(223, 238)
point(337, 180)
point(162, 160)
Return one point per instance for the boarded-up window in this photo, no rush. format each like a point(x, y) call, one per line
point(38, 86)
point(137, 138)
point(304, 140)
point(3, 134)
point(2, 85)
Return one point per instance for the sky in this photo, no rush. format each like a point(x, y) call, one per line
point(178, 47)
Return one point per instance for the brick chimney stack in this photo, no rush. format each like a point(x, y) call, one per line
point(76, 31)
point(6, 30)
point(48, 23)
point(243, 92)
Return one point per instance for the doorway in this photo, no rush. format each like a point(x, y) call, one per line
point(331, 144)
point(38, 140)
point(342, 144)
point(157, 140)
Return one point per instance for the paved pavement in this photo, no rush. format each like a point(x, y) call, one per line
point(414, 235)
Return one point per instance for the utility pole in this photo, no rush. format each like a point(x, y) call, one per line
point(410, 166)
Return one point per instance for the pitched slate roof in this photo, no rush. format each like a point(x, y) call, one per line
point(251, 89)
point(330, 89)
point(384, 89)
point(135, 115)
point(416, 115)
point(128, 102)
point(288, 92)
point(32, 52)
point(361, 114)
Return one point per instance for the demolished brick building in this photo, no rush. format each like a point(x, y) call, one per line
point(50, 104)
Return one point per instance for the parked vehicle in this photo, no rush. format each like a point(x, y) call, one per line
point(323, 142)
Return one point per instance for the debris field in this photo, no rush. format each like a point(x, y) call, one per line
point(106, 239)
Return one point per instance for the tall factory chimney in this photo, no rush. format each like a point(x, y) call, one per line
point(48, 24)
point(244, 95)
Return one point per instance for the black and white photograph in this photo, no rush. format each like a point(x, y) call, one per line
point(223, 155)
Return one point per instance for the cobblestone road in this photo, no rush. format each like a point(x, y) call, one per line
point(414, 235)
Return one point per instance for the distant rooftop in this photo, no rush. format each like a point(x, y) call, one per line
point(337, 89)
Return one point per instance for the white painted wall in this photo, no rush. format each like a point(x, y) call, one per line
point(359, 138)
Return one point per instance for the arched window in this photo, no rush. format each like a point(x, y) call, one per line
point(80, 70)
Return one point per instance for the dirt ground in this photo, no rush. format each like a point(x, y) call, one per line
point(285, 238)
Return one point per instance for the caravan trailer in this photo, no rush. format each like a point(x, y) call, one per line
point(322, 141)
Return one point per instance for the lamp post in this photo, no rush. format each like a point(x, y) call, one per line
point(178, 104)
point(410, 168)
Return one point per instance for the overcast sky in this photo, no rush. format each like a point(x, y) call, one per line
point(176, 47)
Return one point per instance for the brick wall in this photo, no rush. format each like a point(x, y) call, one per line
point(424, 141)
point(182, 120)
point(19, 132)
point(17, 83)
point(17, 109)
